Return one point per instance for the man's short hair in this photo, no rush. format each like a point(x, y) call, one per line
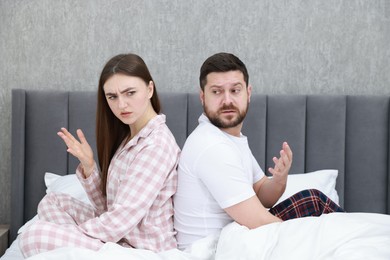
point(222, 62)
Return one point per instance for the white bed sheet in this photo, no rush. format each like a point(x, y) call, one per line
point(333, 236)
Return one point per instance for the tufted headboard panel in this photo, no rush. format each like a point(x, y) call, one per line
point(348, 133)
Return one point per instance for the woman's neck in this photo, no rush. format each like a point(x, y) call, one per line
point(141, 122)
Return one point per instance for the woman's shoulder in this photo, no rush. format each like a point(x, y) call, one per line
point(160, 133)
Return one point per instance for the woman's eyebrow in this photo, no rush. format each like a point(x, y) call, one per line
point(121, 92)
point(126, 90)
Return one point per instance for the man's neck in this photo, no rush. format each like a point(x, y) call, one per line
point(234, 131)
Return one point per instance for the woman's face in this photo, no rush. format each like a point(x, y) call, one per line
point(128, 97)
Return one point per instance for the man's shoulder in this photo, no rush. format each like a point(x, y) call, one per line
point(206, 141)
point(205, 134)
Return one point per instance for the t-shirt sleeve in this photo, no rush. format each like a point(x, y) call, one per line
point(258, 173)
point(221, 170)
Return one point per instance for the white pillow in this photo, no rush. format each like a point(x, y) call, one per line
point(68, 184)
point(322, 180)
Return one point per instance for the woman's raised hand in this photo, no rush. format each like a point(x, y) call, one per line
point(80, 149)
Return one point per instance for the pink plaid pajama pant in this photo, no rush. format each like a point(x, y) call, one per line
point(59, 216)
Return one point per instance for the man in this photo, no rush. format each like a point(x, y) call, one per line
point(219, 180)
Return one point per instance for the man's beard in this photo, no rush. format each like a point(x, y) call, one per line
point(217, 120)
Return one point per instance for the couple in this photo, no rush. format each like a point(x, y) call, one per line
point(143, 196)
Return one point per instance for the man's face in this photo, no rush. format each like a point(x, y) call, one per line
point(225, 99)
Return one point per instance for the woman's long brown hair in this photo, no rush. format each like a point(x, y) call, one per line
point(110, 131)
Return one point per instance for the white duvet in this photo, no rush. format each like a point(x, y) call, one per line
point(333, 236)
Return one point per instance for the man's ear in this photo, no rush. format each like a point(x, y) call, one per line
point(201, 96)
point(249, 93)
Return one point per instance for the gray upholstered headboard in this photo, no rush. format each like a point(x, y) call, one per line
point(348, 133)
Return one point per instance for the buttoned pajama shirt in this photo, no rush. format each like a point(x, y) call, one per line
point(137, 211)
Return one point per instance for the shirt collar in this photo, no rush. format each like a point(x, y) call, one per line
point(153, 123)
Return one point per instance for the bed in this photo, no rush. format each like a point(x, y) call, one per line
point(340, 144)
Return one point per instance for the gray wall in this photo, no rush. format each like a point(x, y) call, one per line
point(289, 46)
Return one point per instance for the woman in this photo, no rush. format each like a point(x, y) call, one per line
point(132, 192)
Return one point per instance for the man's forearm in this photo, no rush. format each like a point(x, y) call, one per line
point(269, 192)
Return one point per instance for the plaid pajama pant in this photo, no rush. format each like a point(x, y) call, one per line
point(305, 203)
point(59, 215)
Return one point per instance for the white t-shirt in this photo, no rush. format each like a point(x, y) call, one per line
point(216, 171)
